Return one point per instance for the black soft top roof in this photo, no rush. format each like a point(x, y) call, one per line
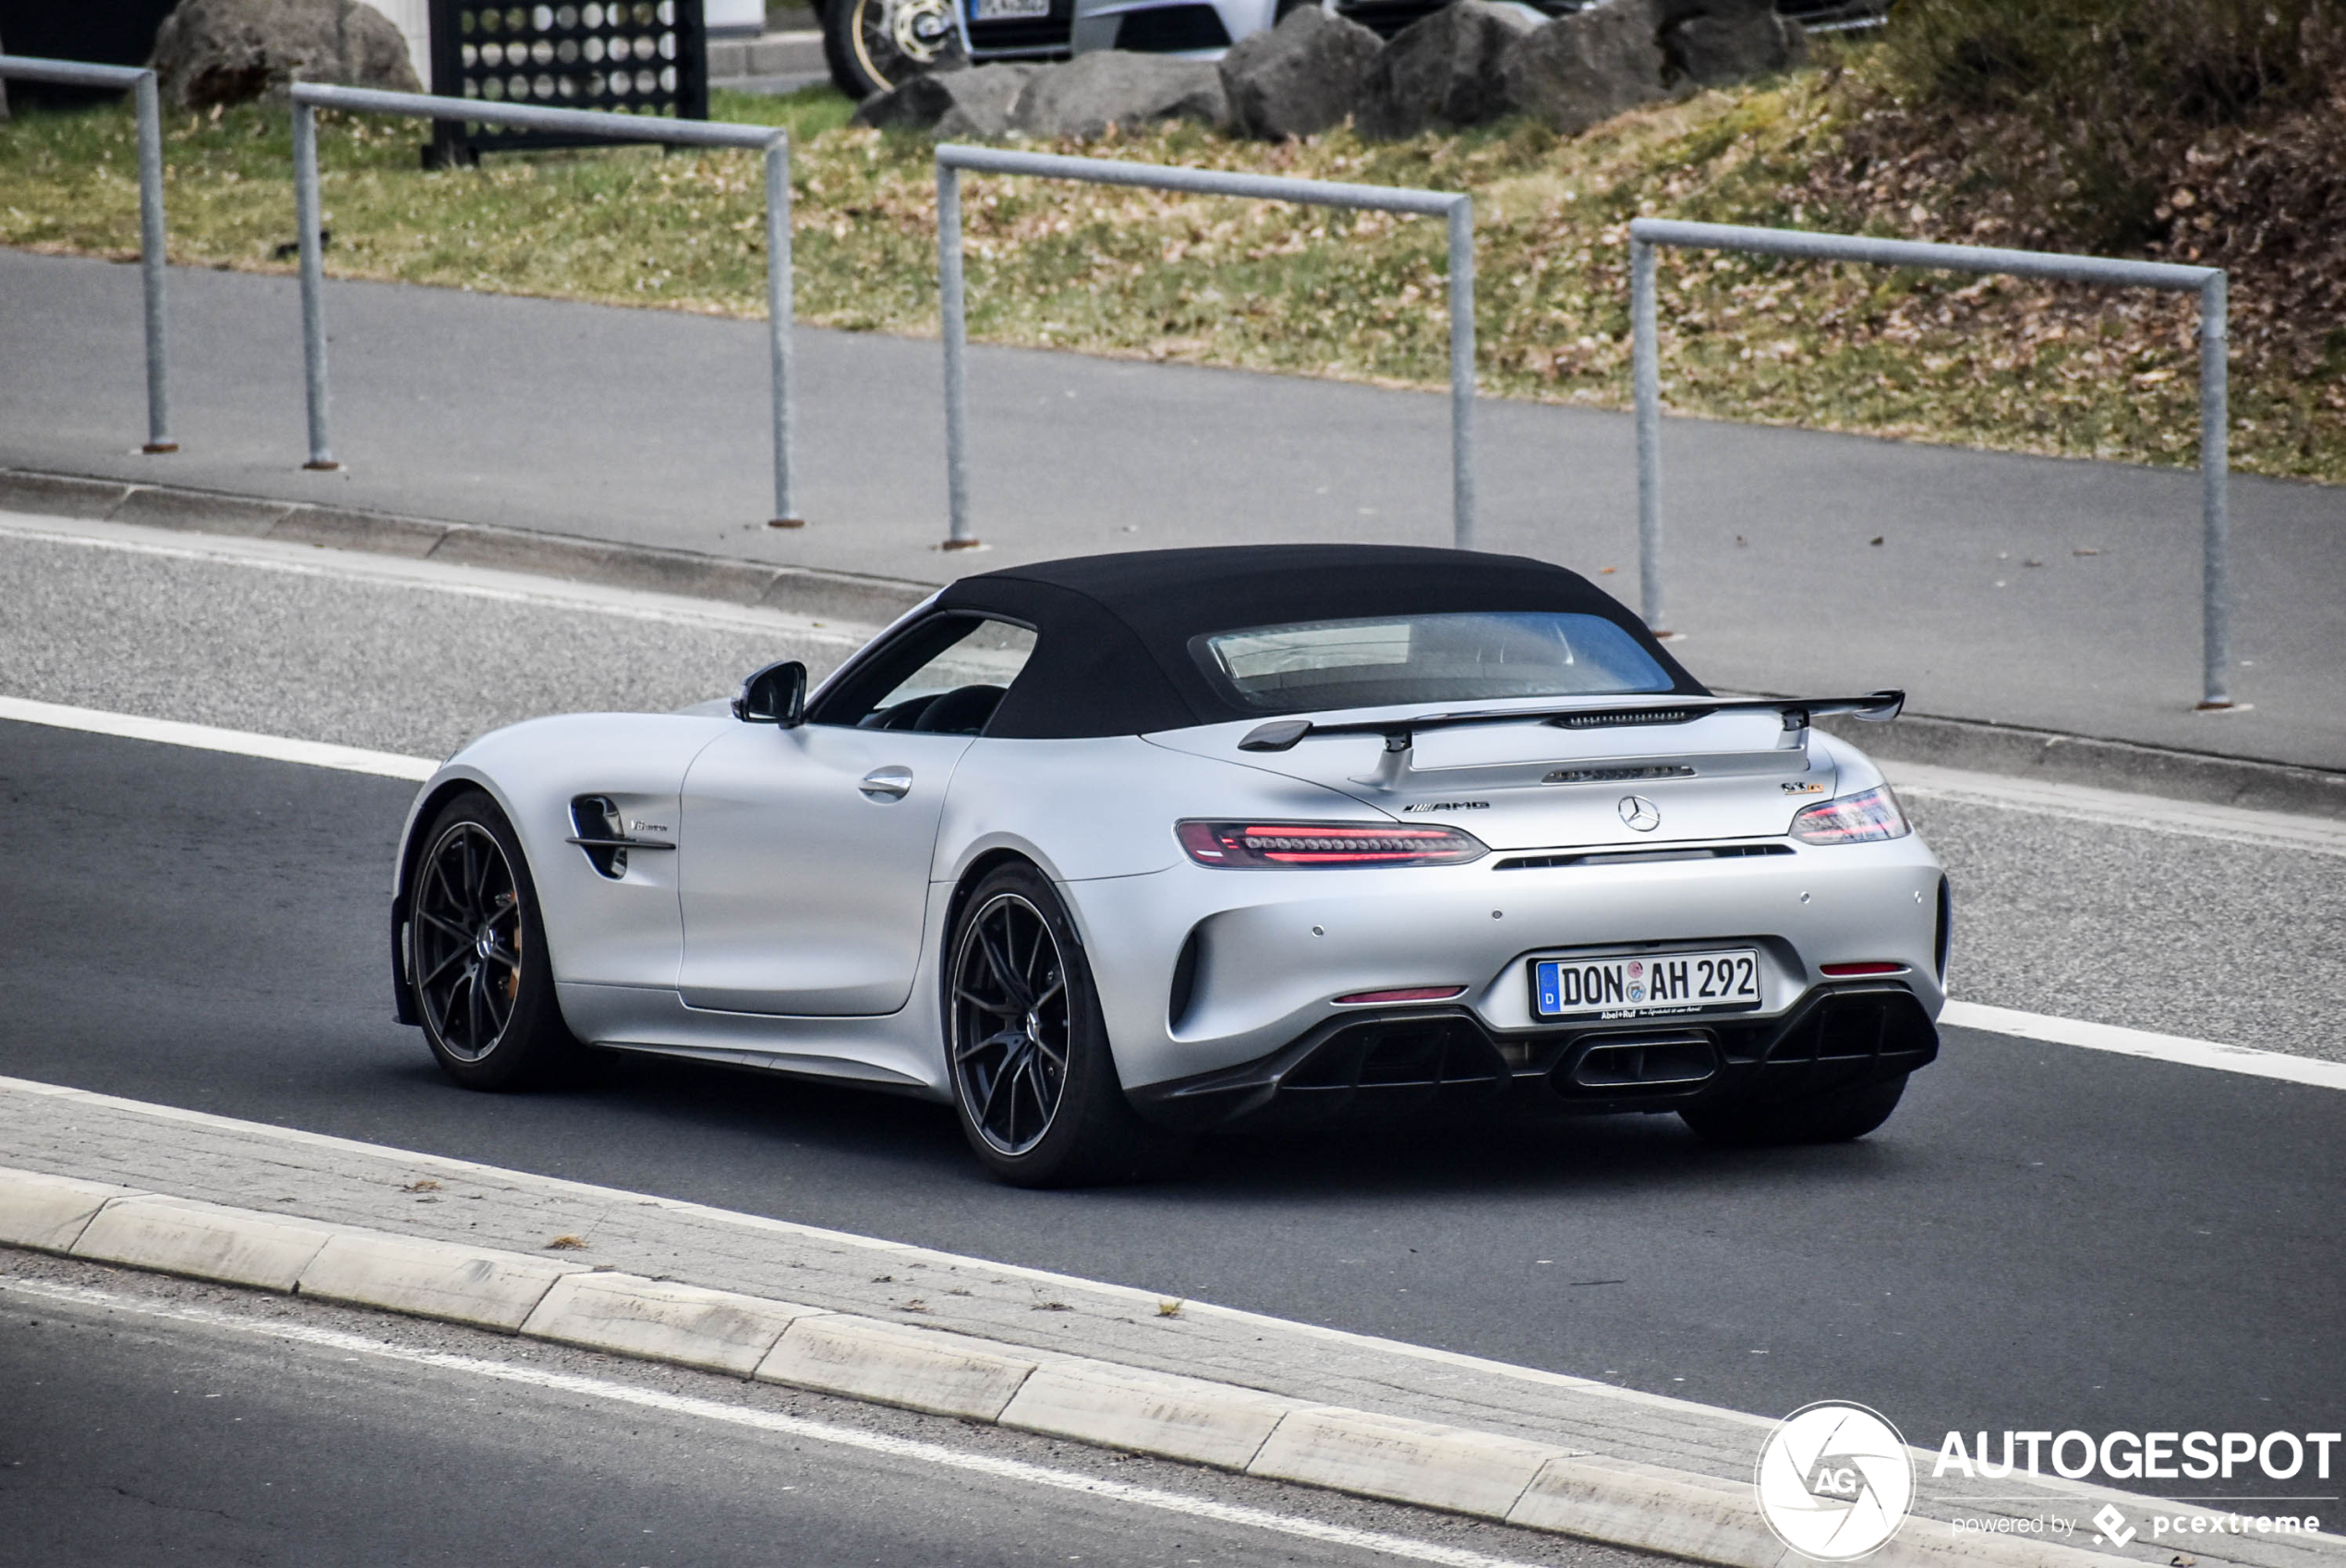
point(1113, 632)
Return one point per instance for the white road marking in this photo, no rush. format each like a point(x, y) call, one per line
point(912, 1449)
point(438, 576)
point(203, 736)
point(2143, 1043)
point(2116, 808)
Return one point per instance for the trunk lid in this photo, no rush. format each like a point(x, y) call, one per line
point(1533, 785)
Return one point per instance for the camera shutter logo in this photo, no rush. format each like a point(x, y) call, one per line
point(1834, 1481)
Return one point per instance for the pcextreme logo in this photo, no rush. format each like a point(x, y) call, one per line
point(1834, 1481)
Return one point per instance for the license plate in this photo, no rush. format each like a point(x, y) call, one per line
point(1641, 987)
point(1005, 10)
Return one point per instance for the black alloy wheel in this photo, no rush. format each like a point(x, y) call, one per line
point(478, 968)
point(1027, 1051)
point(1011, 1035)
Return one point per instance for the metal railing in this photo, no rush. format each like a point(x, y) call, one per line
point(952, 158)
point(309, 98)
point(2215, 416)
point(140, 84)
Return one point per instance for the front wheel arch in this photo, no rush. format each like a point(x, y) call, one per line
point(402, 886)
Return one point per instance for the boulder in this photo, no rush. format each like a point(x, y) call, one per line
point(976, 102)
point(213, 52)
point(1301, 77)
point(1589, 66)
point(1091, 92)
point(1716, 43)
point(1443, 69)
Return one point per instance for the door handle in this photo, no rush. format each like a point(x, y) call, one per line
point(886, 783)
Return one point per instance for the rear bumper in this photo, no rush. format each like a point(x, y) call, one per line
point(1413, 1062)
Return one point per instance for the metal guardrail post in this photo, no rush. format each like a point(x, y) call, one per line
point(771, 144)
point(313, 283)
point(1462, 520)
point(1645, 380)
point(152, 257)
point(140, 83)
point(782, 329)
point(1458, 210)
point(953, 321)
point(2215, 498)
point(2214, 417)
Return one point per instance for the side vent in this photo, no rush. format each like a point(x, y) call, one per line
point(596, 821)
point(1184, 990)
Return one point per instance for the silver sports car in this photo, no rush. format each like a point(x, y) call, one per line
point(1108, 851)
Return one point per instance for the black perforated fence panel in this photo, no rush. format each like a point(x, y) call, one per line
point(622, 57)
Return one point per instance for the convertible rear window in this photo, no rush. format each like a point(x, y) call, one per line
point(1317, 665)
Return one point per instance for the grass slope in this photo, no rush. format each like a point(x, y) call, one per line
point(2046, 368)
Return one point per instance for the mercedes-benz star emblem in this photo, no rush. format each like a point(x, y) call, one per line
point(1641, 814)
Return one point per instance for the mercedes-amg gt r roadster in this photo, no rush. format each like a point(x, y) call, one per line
point(1108, 852)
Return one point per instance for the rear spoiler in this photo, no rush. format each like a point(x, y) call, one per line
point(1283, 734)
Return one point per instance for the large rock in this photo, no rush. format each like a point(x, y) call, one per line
point(1301, 77)
point(1588, 66)
point(213, 52)
point(976, 103)
point(1443, 69)
point(1716, 42)
point(1091, 92)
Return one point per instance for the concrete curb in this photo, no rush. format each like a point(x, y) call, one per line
point(1505, 1479)
point(837, 596)
point(1974, 745)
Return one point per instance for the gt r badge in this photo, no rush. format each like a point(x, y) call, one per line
point(1449, 805)
point(1802, 786)
point(1641, 814)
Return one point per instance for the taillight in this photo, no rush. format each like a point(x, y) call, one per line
point(1852, 819)
point(1324, 844)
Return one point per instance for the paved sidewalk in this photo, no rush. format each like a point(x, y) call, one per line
point(280, 1171)
point(648, 426)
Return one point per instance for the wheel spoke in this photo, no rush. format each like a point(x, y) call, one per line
point(455, 956)
point(464, 938)
point(993, 1087)
point(447, 893)
point(1004, 975)
point(998, 1009)
point(471, 1010)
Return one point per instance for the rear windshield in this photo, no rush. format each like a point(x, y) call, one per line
point(1317, 665)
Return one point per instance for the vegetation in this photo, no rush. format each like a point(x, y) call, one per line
point(2208, 130)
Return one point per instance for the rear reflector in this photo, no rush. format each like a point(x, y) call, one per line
point(1840, 969)
point(1324, 844)
point(1413, 994)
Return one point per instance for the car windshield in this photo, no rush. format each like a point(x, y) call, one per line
point(1387, 659)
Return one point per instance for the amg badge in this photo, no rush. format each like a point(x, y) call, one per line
point(1449, 805)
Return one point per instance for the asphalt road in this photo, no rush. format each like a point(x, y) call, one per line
point(2033, 591)
point(153, 1421)
point(2042, 1236)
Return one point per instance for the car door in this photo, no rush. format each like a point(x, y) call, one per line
point(805, 851)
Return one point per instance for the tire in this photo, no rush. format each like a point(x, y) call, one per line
point(482, 979)
point(870, 46)
point(1836, 1117)
point(1026, 1048)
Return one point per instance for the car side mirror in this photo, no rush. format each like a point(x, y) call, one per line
point(776, 695)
